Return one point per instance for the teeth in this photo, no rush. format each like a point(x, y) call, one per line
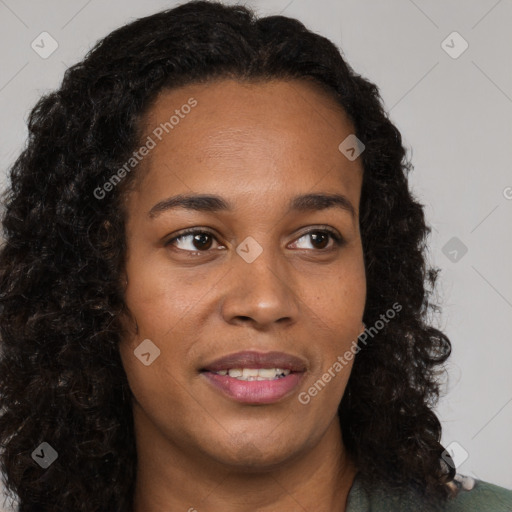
point(267, 373)
point(250, 374)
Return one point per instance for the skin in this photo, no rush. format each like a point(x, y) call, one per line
point(257, 145)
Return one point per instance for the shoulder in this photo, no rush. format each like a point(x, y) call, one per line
point(478, 495)
point(469, 495)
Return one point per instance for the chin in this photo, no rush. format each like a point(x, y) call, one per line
point(254, 455)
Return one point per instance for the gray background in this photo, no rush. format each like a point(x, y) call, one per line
point(455, 117)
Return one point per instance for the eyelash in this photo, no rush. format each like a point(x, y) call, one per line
point(338, 240)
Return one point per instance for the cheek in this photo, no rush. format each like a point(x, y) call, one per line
point(335, 307)
point(338, 298)
point(164, 304)
point(157, 295)
point(152, 366)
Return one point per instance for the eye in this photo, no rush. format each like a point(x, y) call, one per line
point(320, 238)
point(200, 240)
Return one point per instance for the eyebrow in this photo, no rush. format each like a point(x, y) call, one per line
point(214, 203)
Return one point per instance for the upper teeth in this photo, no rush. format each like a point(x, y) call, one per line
point(255, 373)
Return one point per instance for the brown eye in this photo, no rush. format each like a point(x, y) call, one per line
point(319, 239)
point(202, 241)
point(192, 241)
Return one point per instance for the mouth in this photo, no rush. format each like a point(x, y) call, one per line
point(255, 377)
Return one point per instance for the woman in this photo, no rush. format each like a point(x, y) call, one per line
point(209, 212)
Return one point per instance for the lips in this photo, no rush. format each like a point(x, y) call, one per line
point(252, 359)
point(256, 392)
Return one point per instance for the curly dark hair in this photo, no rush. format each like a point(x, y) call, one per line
point(62, 296)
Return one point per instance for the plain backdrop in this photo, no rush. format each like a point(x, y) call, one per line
point(453, 106)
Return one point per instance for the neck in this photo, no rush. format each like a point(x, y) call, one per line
point(170, 479)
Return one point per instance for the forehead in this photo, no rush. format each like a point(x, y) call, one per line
point(248, 135)
point(238, 105)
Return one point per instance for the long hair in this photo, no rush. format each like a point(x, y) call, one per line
point(61, 296)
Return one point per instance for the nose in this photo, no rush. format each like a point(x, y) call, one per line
point(261, 292)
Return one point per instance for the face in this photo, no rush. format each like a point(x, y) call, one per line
point(263, 271)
